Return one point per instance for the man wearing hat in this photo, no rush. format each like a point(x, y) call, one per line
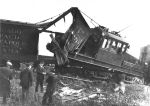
point(5, 77)
point(25, 80)
point(51, 81)
point(40, 76)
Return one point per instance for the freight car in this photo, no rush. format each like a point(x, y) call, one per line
point(18, 42)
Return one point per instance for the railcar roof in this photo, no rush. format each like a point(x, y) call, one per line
point(16, 23)
point(115, 37)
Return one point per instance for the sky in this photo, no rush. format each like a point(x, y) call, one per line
point(113, 14)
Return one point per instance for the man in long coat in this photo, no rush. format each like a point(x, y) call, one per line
point(5, 77)
point(26, 81)
point(39, 76)
point(51, 81)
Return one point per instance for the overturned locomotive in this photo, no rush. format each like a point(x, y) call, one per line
point(93, 53)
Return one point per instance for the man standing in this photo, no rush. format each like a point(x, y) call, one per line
point(39, 76)
point(50, 89)
point(5, 77)
point(25, 81)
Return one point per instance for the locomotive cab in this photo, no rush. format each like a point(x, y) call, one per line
point(104, 41)
point(115, 44)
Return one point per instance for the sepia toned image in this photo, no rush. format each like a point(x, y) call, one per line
point(74, 53)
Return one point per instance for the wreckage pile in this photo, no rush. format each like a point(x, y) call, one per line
point(83, 93)
point(72, 92)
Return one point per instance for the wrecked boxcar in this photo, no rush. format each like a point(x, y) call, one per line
point(18, 42)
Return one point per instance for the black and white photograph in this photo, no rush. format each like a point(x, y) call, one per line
point(74, 53)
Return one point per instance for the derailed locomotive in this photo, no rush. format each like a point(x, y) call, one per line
point(93, 53)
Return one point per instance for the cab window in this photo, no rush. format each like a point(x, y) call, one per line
point(114, 46)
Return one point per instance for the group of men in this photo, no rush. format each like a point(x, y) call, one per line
point(50, 80)
point(26, 81)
